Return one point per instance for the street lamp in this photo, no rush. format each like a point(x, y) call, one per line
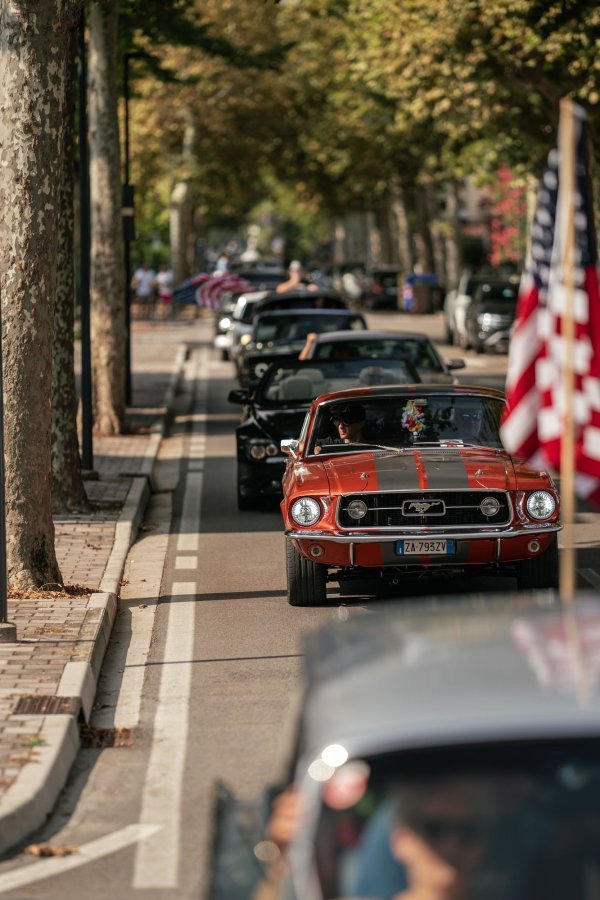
point(128, 221)
point(87, 423)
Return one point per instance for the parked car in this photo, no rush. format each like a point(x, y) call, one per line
point(276, 409)
point(380, 287)
point(455, 307)
point(285, 332)
point(489, 316)
point(417, 348)
point(391, 480)
point(451, 744)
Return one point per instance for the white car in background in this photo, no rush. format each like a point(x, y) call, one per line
point(240, 323)
point(455, 309)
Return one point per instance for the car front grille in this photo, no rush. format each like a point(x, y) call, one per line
point(433, 509)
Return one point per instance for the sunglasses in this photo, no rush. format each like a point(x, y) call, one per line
point(467, 831)
point(345, 422)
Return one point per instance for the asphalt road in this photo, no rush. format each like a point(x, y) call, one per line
point(205, 664)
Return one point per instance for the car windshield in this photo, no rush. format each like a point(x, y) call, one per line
point(500, 292)
point(410, 420)
point(419, 352)
point(295, 328)
point(311, 300)
point(302, 382)
point(499, 822)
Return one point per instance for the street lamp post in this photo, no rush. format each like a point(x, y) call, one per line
point(128, 222)
point(87, 423)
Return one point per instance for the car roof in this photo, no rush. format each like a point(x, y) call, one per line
point(305, 294)
point(446, 673)
point(310, 312)
point(367, 334)
point(401, 389)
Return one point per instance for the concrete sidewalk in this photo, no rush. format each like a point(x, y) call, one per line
point(48, 678)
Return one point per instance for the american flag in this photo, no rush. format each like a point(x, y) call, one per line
point(533, 423)
point(186, 291)
point(206, 290)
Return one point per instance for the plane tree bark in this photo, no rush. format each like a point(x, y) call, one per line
point(34, 40)
point(107, 281)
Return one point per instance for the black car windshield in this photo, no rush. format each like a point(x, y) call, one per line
point(300, 383)
point(419, 352)
point(499, 822)
point(295, 328)
point(499, 292)
point(411, 420)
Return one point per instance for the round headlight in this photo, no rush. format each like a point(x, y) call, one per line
point(489, 506)
point(540, 505)
point(258, 451)
point(357, 509)
point(306, 511)
point(272, 450)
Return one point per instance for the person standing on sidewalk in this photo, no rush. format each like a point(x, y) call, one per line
point(143, 283)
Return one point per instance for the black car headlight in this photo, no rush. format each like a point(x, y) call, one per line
point(258, 450)
point(306, 511)
point(540, 505)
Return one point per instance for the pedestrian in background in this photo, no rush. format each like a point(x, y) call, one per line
point(164, 287)
point(144, 285)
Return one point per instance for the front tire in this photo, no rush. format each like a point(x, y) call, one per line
point(540, 572)
point(306, 580)
point(247, 502)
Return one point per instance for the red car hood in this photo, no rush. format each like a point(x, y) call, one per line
point(427, 469)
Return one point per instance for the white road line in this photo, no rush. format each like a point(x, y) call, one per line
point(47, 868)
point(591, 576)
point(187, 542)
point(186, 562)
point(157, 857)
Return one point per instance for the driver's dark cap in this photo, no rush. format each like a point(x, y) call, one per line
point(348, 413)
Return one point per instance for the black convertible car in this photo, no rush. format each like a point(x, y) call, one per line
point(284, 332)
point(276, 408)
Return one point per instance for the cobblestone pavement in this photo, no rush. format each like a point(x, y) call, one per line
point(54, 631)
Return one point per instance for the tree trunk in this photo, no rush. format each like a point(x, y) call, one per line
point(402, 229)
point(68, 491)
point(452, 237)
point(34, 41)
point(436, 232)
point(107, 281)
point(181, 213)
point(423, 243)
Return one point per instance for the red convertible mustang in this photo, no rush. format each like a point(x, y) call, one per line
point(394, 480)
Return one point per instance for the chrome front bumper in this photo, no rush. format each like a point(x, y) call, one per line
point(368, 537)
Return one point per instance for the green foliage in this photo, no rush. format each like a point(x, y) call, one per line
point(340, 99)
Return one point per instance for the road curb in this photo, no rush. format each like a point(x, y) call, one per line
point(28, 802)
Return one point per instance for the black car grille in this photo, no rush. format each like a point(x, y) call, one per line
point(446, 509)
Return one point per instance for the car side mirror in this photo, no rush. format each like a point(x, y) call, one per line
point(456, 364)
point(291, 447)
point(238, 396)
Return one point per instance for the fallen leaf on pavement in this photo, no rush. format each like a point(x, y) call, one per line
point(50, 850)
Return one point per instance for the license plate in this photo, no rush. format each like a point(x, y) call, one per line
point(430, 547)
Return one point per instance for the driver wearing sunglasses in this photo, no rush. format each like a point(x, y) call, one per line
point(442, 836)
point(469, 423)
